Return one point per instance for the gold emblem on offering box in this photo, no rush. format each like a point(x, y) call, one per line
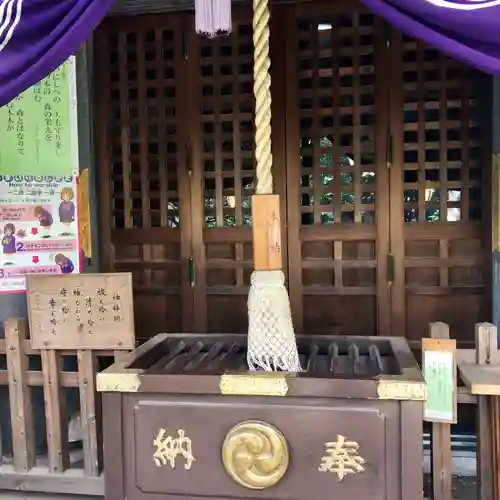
point(167, 449)
point(342, 457)
point(255, 455)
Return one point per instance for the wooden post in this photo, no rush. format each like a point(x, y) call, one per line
point(495, 423)
point(495, 262)
point(120, 355)
point(114, 454)
point(55, 412)
point(87, 370)
point(495, 202)
point(495, 238)
point(486, 347)
point(23, 439)
point(441, 456)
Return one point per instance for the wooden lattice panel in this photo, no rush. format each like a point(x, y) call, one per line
point(227, 127)
point(443, 155)
point(147, 154)
point(333, 86)
point(445, 165)
point(227, 104)
point(145, 137)
point(336, 99)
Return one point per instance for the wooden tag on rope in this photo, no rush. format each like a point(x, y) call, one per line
point(266, 227)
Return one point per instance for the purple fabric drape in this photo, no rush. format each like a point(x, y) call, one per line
point(468, 30)
point(37, 36)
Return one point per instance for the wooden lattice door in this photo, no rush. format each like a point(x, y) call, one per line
point(337, 184)
point(439, 198)
point(222, 141)
point(145, 224)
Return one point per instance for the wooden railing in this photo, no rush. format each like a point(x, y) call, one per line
point(58, 469)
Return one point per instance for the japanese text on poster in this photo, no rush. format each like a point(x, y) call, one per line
point(38, 181)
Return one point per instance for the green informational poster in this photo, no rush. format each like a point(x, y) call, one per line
point(439, 372)
point(39, 227)
point(36, 129)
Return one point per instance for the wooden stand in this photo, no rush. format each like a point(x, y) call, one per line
point(483, 379)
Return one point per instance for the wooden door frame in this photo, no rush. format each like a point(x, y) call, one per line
point(102, 125)
point(383, 93)
point(396, 172)
point(293, 180)
point(195, 141)
point(184, 175)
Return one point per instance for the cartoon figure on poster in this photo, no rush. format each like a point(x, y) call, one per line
point(65, 263)
point(67, 209)
point(45, 219)
point(8, 243)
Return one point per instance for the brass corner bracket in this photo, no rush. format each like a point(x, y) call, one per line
point(403, 391)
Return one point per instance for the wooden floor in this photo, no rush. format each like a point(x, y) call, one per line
point(39, 496)
point(464, 488)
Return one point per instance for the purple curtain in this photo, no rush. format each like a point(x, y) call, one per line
point(37, 36)
point(468, 30)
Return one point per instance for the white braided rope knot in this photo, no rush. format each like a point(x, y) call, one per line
point(271, 338)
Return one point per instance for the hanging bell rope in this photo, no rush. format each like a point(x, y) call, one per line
point(271, 338)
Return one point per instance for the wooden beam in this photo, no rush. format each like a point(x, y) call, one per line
point(39, 479)
point(57, 423)
point(494, 196)
point(486, 344)
point(89, 412)
point(495, 236)
point(23, 435)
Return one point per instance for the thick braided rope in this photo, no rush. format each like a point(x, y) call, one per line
point(262, 94)
point(271, 339)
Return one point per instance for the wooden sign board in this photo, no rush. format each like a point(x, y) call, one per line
point(81, 311)
point(439, 365)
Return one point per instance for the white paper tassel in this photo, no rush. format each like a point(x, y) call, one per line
point(271, 338)
point(213, 17)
